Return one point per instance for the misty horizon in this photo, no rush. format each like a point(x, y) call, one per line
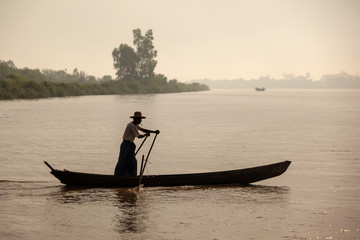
point(340, 80)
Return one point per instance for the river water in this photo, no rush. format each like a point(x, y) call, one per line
point(317, 198)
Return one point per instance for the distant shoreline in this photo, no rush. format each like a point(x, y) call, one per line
point(289, 81)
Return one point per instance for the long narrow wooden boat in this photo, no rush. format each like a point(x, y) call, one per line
point(240, 176)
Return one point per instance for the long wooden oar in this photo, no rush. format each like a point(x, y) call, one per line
point(141, 145)
point(147, 157)
point(142, 163)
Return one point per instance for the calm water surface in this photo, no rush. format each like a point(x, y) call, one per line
point(317, 198)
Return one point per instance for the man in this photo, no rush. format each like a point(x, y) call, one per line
point(127, 163)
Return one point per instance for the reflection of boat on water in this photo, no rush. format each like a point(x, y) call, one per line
point(259, 89)
point(240, 176)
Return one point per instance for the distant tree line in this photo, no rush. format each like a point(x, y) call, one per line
point(25, 83)
point(134, 71)
point(329, 81)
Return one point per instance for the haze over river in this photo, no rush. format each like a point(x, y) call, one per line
point(317, 198)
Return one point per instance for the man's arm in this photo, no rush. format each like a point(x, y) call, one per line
point(148, 131)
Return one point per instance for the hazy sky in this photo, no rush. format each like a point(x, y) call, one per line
point(215, 39)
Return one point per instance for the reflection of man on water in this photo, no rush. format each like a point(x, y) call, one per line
point(127, 163)
point(129, 218)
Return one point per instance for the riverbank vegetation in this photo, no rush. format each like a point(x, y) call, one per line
point(134, 71)
point(27, 83)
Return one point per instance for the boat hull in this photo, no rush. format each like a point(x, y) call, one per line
point(260, 89)
point(241, 176)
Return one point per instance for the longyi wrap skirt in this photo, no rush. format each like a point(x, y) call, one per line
point(127, 163)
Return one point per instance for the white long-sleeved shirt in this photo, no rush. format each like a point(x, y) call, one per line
point(131, 132)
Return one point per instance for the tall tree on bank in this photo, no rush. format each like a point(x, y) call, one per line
point(137, 65)
point(146, 53)
point(125, 62)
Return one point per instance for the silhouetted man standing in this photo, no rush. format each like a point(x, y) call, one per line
point(127, 163)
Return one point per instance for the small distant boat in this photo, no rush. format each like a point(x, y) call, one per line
point(240, 176)
point(259, 89)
